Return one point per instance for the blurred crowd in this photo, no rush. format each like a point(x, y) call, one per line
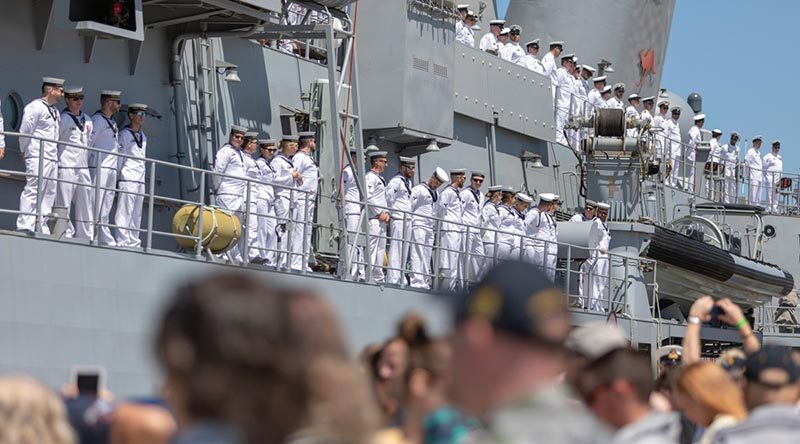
point(246, 361)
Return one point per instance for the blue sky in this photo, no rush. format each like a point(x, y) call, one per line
point(729, 51)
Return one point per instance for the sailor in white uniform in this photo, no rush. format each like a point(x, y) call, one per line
point(594, 271)
point(632, 111)
point(513, 52)
point(549, 63)
point(286, 181)
point(773, 169)
point(587, 214)
point(103, 165)
point(616, 100)
point(306, 200)
point(566, 92)
point(230, 190)
point(377, 212)
point(694, 137)
point(40, 118)
point(715, 158)
point(473, 201)
point(676, 149)
point(594, 96)
point(490, 221)
point(73, 166)
point(489, 42)
point(423, 205)
point(252, 189)
point(521, 208)
point(507, 242)
point(752, 159)
point(647, 112)
point(464, 32)
point(265, 204)
point(450, 208)
point(133, 142)
point(539, 227)
point(462, 10)
point(398, 198)
point(730, 158)
point(531, 59)
point(662, 143)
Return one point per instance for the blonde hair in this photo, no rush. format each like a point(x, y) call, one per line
point(710, 385)
point(31, 414)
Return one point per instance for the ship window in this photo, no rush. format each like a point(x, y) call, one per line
point(12, 111)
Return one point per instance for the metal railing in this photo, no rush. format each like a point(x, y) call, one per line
point(777, 320)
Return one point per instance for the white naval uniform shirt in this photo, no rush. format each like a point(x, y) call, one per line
point(674, 135)
point(283, 176)
point(451, 209)
point(105, 136)
point(549, 64)
point(77, 130)
point(580, 217)
point(423, 205)
point(507, 223)
point(376, 194)
point(566, 88)
point(465, 35)
point(473, 204)
point(309, 172)
point(491, 220)
point(229, 161)
point(513, 53)
point(265, 190)
point(753, 160)
point(730, 158)
point(594, 98)
point(773, 163)
point(599, 236)
point(631, 111)
point(715, 153)
point(531, 62)
point(614, 102)
point(398, 196)
point(695, 137)
point(132, 143)
point(352, 195)
point(41, 120)
point(488, 42)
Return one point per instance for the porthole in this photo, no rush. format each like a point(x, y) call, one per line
point(12, 111)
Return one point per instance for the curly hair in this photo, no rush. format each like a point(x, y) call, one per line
point(30, 413)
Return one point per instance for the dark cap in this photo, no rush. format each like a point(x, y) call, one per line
point(518, 298)
point(670, 355)
point(772, 366)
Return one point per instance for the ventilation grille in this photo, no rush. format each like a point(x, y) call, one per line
point(439, 70)
point(420, 64)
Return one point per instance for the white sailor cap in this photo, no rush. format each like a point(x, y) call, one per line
point(603, 206)
point(507, 189)
point(505, 31)
point(238, 129)
point(471, 13)
point(497, 22)
point(599, 79)
point(758, 137)
point(534, 42)
point(649, 99)
point(663, 102)
point(699, 117)
point(716, 131)
point(591, 203)
point(588, 68)
point(516, 28)
point(408, 160)
point(307, 135)
point(557, 43)
point(74, 91)
point(495, 188)
point(251, 135)
point(478, 173)
point(267, 142)
point(458, 171)
point(522, 197)
point(441, 175)
point(289, 138)
point(547, 197)
point(53, 81)
point(735, 134)
point(110, 93)
point(676, 109)
point(557, 197)
point(377, 155)
point(606, 89)
point(634, 96)
point(776, 142)
point(462, 6)
point(133, 107)
point(619, 86)
point(568, 57)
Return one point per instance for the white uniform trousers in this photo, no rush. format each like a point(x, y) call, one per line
point(266, 231)
point(675, 175)
point(129, 213)
point(689, 171)
point(377, 248)
point(400, 233)
point(731, 189)
point(283, 213)
point(550, 261)
point(27, 200)
point(505, 251)
point(475, 255)
point(771, 180)
point(450, 258)
point(233, 204)
point(561, 122)
point(584, 287)
point(354, 247)
point(301, 232)
point(599, 281)
point(79, 198)
point(108, 179)
point(491, 259)
point(535, 253)
point(754, 187)
point(421, 249)
point(251, 228)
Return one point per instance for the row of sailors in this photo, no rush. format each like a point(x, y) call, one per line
point(277, 205)
point(69, 173)
point(476, 229)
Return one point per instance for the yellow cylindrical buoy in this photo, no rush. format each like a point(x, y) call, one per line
point(221, 229)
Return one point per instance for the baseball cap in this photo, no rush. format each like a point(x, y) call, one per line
point(772, 366)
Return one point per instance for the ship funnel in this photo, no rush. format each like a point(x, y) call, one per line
point(695, 102)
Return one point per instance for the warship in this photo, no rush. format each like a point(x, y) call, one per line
point(368, 74)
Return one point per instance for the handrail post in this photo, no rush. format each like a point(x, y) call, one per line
point(151, 199)
point(289, 229)
point(437, 251)
point(246, 233)
point(364, 224)
point(465, 267)
point(404, 249)
point(198, 247)
point(304, 245)
point(97, 203)
point(39, 188)
point(569, 271)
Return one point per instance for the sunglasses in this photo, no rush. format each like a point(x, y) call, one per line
point(75, 98)
point(138, 113)
point(477, 180)
point(238, 136)
point(514, 33)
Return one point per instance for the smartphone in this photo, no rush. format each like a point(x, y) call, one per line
point(89, 379)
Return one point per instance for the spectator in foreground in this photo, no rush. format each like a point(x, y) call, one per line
point(31, 414)
point(139, 423)
point(709, 398)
